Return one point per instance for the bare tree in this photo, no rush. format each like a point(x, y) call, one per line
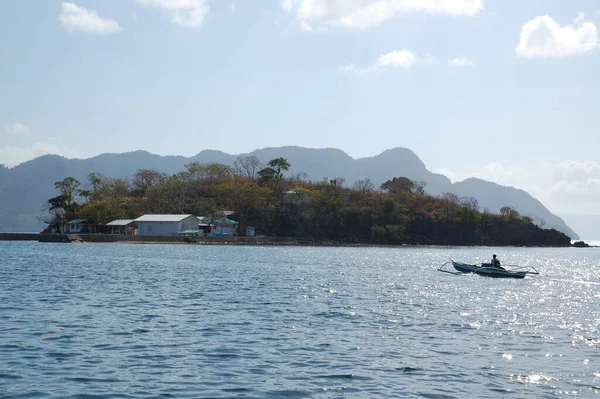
point(419, 187)
point(470, 203)
point(247, 166)
point(450, 203)
point(144, 179)
point(302, 176)
point(365, 185)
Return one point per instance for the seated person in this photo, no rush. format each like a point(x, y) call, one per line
point(495, 262)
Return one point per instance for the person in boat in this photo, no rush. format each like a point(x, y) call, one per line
point(496, 262)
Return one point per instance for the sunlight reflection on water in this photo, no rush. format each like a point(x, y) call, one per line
point(194, 321)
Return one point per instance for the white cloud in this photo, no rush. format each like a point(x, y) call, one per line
point(544, 37)
point(18, 128)
point(75, 18)
point(187, 13)
point(398, 58)
point(404, 59)
point(362, 14)
point(12, 156)
point(460, 62)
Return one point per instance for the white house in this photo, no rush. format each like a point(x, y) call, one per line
point(79, 226)
point(166, 225)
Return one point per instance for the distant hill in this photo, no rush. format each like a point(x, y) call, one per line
point(585, 225)
point(25, 188)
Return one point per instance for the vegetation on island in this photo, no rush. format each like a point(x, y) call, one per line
point(399, 211)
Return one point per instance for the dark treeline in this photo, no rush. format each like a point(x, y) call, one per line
point(399, 211)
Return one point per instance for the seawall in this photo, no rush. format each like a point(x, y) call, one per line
point(115, 238)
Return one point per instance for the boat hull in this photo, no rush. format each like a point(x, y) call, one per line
point(487, 271)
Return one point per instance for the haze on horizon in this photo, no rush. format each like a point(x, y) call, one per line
point(494, 89)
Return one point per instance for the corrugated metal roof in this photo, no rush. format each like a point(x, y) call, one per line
point(162, 218)
point(120, 222)
point(219, 220)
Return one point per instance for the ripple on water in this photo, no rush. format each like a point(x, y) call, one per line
point(140, 321)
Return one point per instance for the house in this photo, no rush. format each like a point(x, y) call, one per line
point(80, 226)
point(220, 227)
point(121, 226)
point(268, 173)
point(250, 231)
point(166, 225)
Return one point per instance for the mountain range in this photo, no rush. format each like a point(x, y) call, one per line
point(25, 188)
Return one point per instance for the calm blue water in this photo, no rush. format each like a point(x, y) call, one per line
point(178, 321)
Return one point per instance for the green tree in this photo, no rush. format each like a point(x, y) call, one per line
point(398, 185)
point(279, 164)
point(145, 179)
point(69, 191)
point(510, 213)
point(65, 205)
point(244, 197)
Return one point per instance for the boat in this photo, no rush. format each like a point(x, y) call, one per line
point(486, 269)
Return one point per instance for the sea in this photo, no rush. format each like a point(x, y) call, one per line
point(203, 321)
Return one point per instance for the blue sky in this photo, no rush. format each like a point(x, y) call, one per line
point(505, 90)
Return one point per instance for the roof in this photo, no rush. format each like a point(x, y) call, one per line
point(120, 222)
point(77, 221)
point(162, 218)
point(219, 220)
point(267, 171)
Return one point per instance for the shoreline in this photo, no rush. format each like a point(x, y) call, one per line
point(248, 241)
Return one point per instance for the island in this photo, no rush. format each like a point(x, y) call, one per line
point(263, 206)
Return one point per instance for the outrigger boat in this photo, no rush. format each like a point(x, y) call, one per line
point(486, 269)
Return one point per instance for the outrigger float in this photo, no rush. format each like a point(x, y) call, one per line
point(486, 269)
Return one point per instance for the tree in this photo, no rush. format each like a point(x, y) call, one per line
point(63, 206)
point(279, 164)
point(527, 219)
point(450, 204)
point(365, 185)
point(337, 182)
point(69, 191)
point(470, 209)
point(209, 209)
point(398, 185)
point(419, 188)
point(246, 166)
point(146, 178)
point(243, 196)
point(199, 172)
point(510, 213)
point(302, 176)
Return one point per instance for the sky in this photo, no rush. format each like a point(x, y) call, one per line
point(503, 90)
